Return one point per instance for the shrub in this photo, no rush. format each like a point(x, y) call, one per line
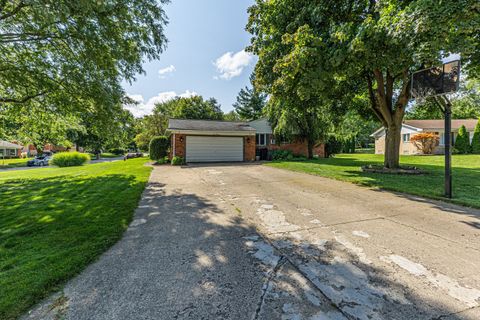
point(177, 161)
point(278, 155)
point(425, 142)
point(476, 139)
point(462, 144)
point(70, 159)
point(117, 151)
point(332, 146)
point(159, 147)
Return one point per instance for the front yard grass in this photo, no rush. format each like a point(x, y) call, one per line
point(12, 163)
point(56, 221)
point(346, 167)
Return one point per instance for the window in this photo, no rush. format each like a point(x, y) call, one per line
point(406, 137)
point(442, 138)
point(261, 139)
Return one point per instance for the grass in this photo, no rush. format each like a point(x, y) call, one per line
point(12, 163)
point(346, 167)
point(56, 221)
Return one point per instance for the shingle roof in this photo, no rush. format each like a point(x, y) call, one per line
point(9, 145)
point(439, 124)
point(208, 125)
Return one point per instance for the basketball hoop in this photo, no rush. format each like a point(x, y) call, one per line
point(437, 82)
point(420, 95)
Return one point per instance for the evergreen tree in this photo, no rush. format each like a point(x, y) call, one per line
point(476, 139)
point(250, 104)
point(462, 144)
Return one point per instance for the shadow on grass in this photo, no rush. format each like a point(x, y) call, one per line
point(185, 257)
point(51, 228)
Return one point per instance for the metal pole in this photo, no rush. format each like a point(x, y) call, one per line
point(448, 149)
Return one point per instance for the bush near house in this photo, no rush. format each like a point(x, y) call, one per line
point(159, 147)
point(70, 159)
point(476, 139)
point(425, 142)
point(177, 161)
point(462, 144)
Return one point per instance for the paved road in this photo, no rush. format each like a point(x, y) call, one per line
point(254, 242)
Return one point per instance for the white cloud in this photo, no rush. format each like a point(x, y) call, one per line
point(146, 107)
point(231, 64)
point(162, 73)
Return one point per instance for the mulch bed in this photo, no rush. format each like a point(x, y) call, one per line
point(401, 170)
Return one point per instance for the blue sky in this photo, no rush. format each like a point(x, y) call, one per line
point(204, 55)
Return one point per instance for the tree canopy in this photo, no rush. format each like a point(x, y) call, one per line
point(250, 103)
point(62, 53)
point(310, 47)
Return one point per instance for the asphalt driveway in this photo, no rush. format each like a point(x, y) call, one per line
point(254, 242)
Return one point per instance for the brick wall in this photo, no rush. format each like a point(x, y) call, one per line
point(178, 144)
point(299, 147)
point(249, 148)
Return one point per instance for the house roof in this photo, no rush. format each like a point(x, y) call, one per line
point(208, 125)
point(9, 145)
point(439, 124)
point(425, 125)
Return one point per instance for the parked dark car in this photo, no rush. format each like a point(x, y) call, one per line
point(40, 161)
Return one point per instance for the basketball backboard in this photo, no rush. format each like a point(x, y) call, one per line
point(436, 81)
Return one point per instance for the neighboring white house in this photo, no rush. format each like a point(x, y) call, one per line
point(413, 127)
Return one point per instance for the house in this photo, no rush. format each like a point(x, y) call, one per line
point(227, 141)
point(10, 150)
point(412, 127)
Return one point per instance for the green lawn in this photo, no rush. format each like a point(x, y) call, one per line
point(11, 163)
point(346, 167)
point(55, 221)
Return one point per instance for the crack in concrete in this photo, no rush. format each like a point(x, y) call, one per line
point(454, 313)
point(431, 234)
point(272, 275)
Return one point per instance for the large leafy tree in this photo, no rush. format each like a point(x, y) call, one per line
point(380, 42)
point(250, 103)
point(61, 53)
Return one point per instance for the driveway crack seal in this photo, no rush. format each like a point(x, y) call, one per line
point(266, 285)
point(443, 316)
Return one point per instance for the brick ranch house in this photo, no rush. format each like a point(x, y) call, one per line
point(411, 128)
point(227, 141)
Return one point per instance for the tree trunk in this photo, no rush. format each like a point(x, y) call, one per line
point(310, 144)
point(392, 145)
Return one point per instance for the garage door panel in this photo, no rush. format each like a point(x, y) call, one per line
point(214, 149)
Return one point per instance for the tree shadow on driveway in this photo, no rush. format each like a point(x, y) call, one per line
point(186, 256)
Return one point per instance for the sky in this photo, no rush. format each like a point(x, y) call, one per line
point(205, 55)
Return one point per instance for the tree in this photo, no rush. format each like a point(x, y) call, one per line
point(462, 144)
point(63, 53)
point(195, 108)
point(231, 116)
point(380, 42)
point(156, 124)
point(250, 103)
point(476, 139)
point(425, 142)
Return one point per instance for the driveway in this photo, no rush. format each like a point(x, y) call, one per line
point(254, 242)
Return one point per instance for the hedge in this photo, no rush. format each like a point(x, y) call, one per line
point(462, 144)
point(476, 139)
point(70, 159)
point(159, 147)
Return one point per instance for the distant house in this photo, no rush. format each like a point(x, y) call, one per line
point(411, 128)
point(10, 150)
point(228, 141)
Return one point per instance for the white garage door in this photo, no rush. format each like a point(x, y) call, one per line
point(214, 149)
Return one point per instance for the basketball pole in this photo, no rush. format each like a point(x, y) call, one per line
point(446, 107)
